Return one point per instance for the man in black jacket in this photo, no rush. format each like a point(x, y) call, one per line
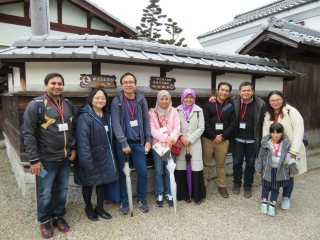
point(49, 141)
point(220, 122)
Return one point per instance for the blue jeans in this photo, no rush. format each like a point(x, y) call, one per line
point(158, 170)
point(53, 190)
point(140, 162)
point(287, 190)
point(241, 151)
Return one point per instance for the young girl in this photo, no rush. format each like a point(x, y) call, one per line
point(274, 166)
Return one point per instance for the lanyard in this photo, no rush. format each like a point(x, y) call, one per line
point(129, 106)
point(61, 112)
point(217, 110)
point(243, 113)
point(276, 149)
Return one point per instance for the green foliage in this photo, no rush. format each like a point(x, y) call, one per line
point(151, 26)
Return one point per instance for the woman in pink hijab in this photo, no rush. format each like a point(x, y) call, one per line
point(192, 127)
point(165, 129)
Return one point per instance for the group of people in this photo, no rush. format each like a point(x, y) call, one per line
point(102, 139)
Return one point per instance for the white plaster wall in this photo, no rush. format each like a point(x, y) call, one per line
point(142, 73)
point(191, 78)
point(313, 23)
point(15, 9)
point(36, 72)
point(72, 15)
point(53, 11)
point(12, 32)
point(269, 83)
point(234, 79)
point(15, 81)
point(97, 24)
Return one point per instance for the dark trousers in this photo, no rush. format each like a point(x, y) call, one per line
point(287, 190)
point(243, 151)
point(273, 196)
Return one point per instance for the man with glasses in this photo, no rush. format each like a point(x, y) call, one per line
point(131, 125)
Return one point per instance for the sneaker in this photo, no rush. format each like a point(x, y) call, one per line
point(124, 208)
point(143, 206)
point(159, 200)
point(285, 204)
point(169, 200)
point(61, 224)
point(264, 208)
point(46, 230)
point(271, 211)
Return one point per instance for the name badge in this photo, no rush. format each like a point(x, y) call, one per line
point(163, 129)
point(63, 127)
point(106, 128)
point(219, 126)
point(134, 123)
point(276, 159)
point(242, 125)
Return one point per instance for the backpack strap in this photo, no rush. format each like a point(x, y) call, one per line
point(40, 109)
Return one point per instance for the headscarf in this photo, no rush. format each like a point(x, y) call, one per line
point(185, 108)
point(163, 113)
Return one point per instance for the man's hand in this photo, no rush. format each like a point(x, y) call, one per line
point(213, 99)
point(73, 155)
point(126, 150)
point(218, 139)
point(36, 168)
point(185, 141)
point(147, 146)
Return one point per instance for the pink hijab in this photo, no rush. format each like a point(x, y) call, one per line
point(185, 108)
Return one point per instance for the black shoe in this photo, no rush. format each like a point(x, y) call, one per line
point(91, 215)
point(61, 224)
point(159, 201)
point(169, 200)
point(103, 214)
point(46, 230)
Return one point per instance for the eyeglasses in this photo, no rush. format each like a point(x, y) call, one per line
point(275, 100)
point(99, 98)
point(128, 83)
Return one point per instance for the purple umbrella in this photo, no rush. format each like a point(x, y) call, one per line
point(189, 171)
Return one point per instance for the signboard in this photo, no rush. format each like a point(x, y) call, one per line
point(96, 81)
point(159, 83)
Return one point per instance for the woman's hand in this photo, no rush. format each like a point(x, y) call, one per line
point(213, 99)
point(170, 141)
point(185, 141)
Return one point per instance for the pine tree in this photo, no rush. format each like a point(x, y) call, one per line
point(174, 31)
point(149, 28)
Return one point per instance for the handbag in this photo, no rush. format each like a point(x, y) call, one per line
point(176, 148)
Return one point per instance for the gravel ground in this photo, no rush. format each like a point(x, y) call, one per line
point(233, 218)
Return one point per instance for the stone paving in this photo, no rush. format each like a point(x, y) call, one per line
point(216, 218)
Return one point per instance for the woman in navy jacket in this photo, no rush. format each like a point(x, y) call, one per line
point(96, 164)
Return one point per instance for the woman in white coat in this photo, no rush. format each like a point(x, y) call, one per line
point(192, 127)
point(292, 121)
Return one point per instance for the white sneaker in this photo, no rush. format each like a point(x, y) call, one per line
point(285, 204)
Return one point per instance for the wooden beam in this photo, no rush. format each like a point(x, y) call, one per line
point(59, 11)
point(26, 8)
point(96, 68)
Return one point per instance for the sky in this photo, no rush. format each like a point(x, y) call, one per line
point(194, 17)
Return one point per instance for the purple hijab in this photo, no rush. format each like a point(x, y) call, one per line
point(187, 109)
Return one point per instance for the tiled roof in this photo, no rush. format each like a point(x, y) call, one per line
point(255, 14)
point(136, 51)
point(290, 31)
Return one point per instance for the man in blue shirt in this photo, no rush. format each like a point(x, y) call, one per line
point(131, 125)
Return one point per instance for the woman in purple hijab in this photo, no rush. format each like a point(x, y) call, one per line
point(192, 127)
